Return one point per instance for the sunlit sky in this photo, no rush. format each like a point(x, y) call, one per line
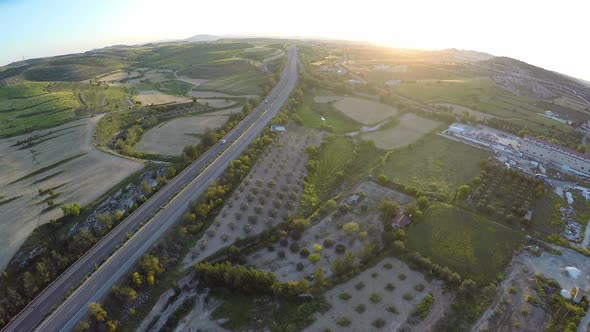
point(550, 34)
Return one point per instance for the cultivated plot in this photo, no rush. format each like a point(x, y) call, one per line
point(64, 165)
point(335, 234)
point(409, 130)
point(266, 197)
point(152, 97)
point(365, 111)
point(382, 297)
point(171, 137)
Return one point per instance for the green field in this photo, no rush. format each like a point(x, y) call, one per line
point(310, 115)
point(32, 106)
point(334, 157)
point(435, 165)
point(466, 242)
point(29, 106)
point(482, 94)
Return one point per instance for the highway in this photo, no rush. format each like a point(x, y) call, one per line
point(168, 204)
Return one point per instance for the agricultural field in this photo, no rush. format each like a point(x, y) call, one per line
point(458, 110)
point(268, 195)
point(482, 94)
point(318, 115)
point(152, 97)
point(50, 168)
point(169, 138)
point(32, 106)
point(383, 297)
point(408, 130)
point(436, 165)
point(289, 258)
point(470, 244)
point(360, 110)
point(216, 102)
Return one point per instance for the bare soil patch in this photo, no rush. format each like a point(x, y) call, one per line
point(409, 130)
point(115, 77)
point(79, 179)
point(152, 97)
point(375, 281)
point(171, 137)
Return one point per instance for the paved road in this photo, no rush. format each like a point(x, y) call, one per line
point(194, 179)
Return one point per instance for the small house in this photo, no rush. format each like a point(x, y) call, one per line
point(278, 128)
point(402, 221)
point(528, 216)
point(353, 200)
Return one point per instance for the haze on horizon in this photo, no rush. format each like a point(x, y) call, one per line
point(542, 33)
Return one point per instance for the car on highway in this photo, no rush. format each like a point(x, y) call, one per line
point(223, 141)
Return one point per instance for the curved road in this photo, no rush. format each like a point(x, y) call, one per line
point(168, 204)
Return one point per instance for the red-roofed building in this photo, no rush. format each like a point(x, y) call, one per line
point(565, 158)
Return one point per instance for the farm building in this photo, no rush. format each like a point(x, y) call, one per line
point(278, 128)
point(402, 221)
point(565, 158)
point(353, 200)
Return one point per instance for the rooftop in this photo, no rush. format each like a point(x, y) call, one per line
point(558, 147)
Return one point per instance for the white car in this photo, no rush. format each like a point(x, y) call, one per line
point(266, 101)
point(223, 141)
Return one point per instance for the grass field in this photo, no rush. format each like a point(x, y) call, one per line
point(409, 130)
point(482, 94)
point(310, 113)
point(365, 111)
point(335, 156)
point(467, 243)
point(33, 106)
point(436, 165)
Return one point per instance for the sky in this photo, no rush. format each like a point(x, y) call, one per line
point(547, 33)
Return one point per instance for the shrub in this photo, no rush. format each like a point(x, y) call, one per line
point(224, 237)
point(378, 323)
point(351, 228)
point(300, 266)
point(393, 309)
point(374, 275)
point(328, 242)
point(232, 225)
point(284, 242)
point(304, 252)
point(343, 321)
point(258, 209)
point(314, 258)
point(419, 287)
point(317, 247)
point(340, 248)
point(360, 308)
point(294, 247)
point(345, 296)
point(247, 228)
point(511, 290)
point(211, 233)
point(281, 254)
point(271, 248)
point(402, 276)
point(252, 219)
point(375, 298)
point(359, 285)
point(390, 287)
point(388, 266)
point(408, 297)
